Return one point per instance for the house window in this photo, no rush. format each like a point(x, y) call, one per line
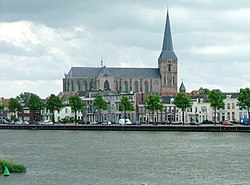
point(228, 106)
point(228, 116)
point(233, 116)
point(233, 106)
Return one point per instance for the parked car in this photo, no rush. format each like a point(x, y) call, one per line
point(227, 123)
point(125, 122)
point(46, 122)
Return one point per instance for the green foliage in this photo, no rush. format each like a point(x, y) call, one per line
point(1, 107)
point(125, 105)
point(182, 101)
point(24, 96)
point(153, 103)
point(53, 103)
point(15, 106)
point(204, 92)
point(35, 103)
point(100, 104)
point(244, 100)
point(216, 100)
point(13, 167)
point(76, 104)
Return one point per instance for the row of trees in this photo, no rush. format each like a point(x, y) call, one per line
point(153, 103)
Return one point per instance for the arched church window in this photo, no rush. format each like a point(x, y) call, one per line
point(78, 85)
point(146, 86)
point(106, 85)
point(116, 86)
point(136, 87)
point(126, 86)
point(86, 85)
point(165, 80)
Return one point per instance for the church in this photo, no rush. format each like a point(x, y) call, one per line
point(161, 80)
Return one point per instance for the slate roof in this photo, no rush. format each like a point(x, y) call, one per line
point(79, 72)
point(167, 47)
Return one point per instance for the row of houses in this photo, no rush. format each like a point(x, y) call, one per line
point(199, 112)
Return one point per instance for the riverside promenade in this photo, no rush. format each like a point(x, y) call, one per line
point(116, 127)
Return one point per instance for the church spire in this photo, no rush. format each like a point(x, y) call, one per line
point(167, 41)
point(167, 47)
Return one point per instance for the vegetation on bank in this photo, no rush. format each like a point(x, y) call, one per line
point(12, 166)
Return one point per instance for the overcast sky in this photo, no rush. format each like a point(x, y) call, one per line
point(41, 39)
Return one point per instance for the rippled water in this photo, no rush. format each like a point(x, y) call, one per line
point(127, 158)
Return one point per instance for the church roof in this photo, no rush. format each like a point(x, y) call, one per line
point(105, 72)
point(182, 87)
point(167, 47)
point(79, 72)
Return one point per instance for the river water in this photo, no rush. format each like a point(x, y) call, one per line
point(126, 158)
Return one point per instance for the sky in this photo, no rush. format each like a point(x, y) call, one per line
point(41, 40)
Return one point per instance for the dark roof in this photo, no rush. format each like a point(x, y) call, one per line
point(167, 46)
point(79, 72)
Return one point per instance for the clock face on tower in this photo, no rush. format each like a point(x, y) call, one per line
point(169, 61)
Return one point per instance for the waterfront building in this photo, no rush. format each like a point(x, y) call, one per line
point(162, 80)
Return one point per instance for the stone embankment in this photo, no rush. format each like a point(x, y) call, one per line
point(185, 128)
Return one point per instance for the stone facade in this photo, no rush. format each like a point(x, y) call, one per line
point(162, 80)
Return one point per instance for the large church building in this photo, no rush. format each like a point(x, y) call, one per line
point(162, 80)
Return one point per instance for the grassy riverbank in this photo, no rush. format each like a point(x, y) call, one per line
point(12, 166)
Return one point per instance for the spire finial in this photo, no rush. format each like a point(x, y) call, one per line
point(101, 63)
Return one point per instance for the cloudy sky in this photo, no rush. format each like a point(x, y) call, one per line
point(41, 39)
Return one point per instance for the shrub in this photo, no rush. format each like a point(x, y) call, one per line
point(12, 166)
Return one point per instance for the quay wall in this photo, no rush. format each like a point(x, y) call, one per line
point(185, 128)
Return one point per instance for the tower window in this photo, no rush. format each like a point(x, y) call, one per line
point(173, 80)
point(169, 67)
point(165, 80)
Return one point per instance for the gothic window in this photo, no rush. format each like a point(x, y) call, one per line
point(106, 85)
point(126, 86)
point(116, 86)
point(86, 85)
point(136, 89)
point(155, 82)
point(78, 85)
point(165, 80)
point(90, 85)
point(146, 86)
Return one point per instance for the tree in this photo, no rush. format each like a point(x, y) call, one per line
point(100, 104)
point(34, 103)
point(24, 96)
point(53, 103)
point(1, 110)
point(244, 100)
point(182, 101)
point(15, 106)
point(216, 100)
point(154, 104)
point(76, 104)
point(125, 105)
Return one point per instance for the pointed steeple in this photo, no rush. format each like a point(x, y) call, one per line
point(182, 87)
point(167, 47)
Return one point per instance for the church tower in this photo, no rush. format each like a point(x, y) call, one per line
point(167, 63)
